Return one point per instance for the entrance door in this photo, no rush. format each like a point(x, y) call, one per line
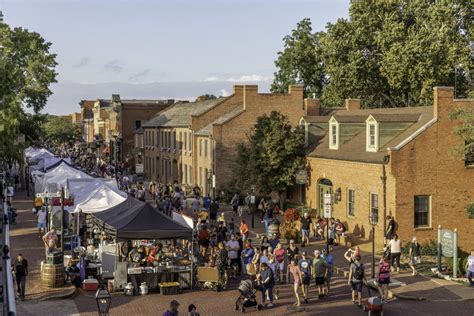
point(324, 187)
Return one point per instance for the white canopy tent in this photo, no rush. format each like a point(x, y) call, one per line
point(55, 178)
point(81, 189)
point(101, 199)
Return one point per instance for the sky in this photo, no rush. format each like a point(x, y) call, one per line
point(157, 49)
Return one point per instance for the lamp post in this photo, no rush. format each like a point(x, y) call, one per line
point(373, 219)
point(103, 299)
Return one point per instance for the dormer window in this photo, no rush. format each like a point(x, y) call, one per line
point(333, 134)
point(372, 134)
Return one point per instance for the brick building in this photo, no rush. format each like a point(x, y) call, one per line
point(394, 161)
point(109, 124)
point(194, 143)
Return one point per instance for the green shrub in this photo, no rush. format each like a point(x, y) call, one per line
point(462, 260)
point(429, 248)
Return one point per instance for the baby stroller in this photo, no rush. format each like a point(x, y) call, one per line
point(247, 297)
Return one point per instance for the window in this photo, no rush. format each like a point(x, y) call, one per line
point(200, 177)
point(469, 154)
point(200, 152)
point(138, 124)
point(374, 204)
point(191, 176)
point(422, 210)
point(333, 134)
point(205, 148)
point(180, 140)
point(185, 142)
point(173, 139)
point(185, 180)
point(372, 135)
point(190, 143)
point(351, 202)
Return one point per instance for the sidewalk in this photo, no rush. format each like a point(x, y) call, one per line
point(25, 239)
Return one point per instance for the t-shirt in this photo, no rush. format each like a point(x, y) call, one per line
point(20, 267)
point(169, 313)
point(395, 246)
point(329, 263)
point(319, 267)
point(203, 216)
point(280, 254)
point(273, 243)
point(38, 201)
point(233, 253)
point(247, 255)
point(305, 222)
point(305, 266)
point(292, 252)
point(267, 273)
point(415, 249)
point(42, 215)
point(470, 263)
point(353, 269)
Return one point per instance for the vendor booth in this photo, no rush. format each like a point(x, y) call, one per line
point(154, 257)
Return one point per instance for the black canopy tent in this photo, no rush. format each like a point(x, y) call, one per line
point(134, 219)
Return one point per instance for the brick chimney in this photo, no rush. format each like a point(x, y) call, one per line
point(443, 101)
point(292, 89)
point(249, 92)
point(312, 107)
point(352, 104)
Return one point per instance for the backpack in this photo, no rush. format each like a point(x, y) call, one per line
point(359, 272)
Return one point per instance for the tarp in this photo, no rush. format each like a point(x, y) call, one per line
point(55, 178)
point(101, 199)
point(53, 162)
point(134, 219)
point(183, 219)
point(38, 154)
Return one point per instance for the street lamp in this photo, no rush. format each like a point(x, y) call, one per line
point(373, 219)
point(103, 299)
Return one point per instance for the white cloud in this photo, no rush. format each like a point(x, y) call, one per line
point(212, 78)
point(224, 93)
point(239, 78)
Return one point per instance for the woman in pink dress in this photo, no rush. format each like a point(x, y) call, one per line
point(296, 274)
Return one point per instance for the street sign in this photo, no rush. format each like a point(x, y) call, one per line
point(48, 195)
point(327, 198)
point(447, 243)
point(327, 210)
point(301, 176)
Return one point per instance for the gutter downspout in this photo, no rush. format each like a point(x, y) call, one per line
point(386, 160)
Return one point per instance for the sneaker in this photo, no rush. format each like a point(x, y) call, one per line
point(269, 305)
point(305, 301)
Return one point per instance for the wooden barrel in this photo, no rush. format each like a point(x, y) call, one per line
point(274, 228)
point(52, 275)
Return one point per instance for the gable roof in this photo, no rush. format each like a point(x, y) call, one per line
point(207, 130)
point(179, 115)
point(399, 124)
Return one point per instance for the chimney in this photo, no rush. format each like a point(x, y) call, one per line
point(312, 107)
point(249, 91)
point(352, 104)
point(293, 89)
point(442, 96)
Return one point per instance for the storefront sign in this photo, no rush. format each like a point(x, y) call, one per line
point(301, 176)
point(447, 243)
point(327, 210)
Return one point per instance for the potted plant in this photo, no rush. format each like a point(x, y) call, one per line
point(291, 226)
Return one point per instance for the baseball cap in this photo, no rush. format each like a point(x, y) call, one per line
point(303, 253)
point(316, 251)
point(292, 241)
point(174, 303)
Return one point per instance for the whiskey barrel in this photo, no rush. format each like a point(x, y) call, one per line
point(52, 275)
point(274, 228)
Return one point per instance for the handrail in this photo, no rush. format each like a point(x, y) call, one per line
point(9, 305)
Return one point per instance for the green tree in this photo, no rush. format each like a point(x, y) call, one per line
point(272, 155)
point(300, 62)
point(26, 71)
point(392, 53)
point(61, 130)
point(464, 128)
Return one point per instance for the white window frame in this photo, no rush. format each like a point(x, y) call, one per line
point(371, 205)
point(333, 123)
point(349, 202)
point(371, 122)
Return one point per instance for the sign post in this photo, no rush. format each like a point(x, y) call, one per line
point(448, 247)
point(439, 248)
point(327, 215)
point(455, 254)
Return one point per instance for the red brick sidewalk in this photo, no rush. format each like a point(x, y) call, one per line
point(25, 239)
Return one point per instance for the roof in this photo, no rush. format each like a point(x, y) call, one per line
point(180, 113)
point(396, 125)
point(138, 131)
point(207, 130)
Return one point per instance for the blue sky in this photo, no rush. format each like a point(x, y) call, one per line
point(163, 49)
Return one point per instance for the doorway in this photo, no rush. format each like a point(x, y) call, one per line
point(324, 187)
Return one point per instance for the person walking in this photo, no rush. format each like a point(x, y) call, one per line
point(42, 218)
point(279, 253)
point(305, 229)
point(329, 269)
point(173, 310)
point(295, 272)
point(395, 245)
point(292, 251)
point(305, 266)
point(20, 267)
point(356, 280)
point(383, 278)
point(319, 272)
point(192, 310)
point(470, 268)
point(414, 255)
point(244, 230)
point(267, 282)
point(240, 205)
point(247, 256)
point(391, 227)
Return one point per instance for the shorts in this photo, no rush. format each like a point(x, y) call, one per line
point(319, 280)
point(305, 232)
point(41, 225)
point(328, 278)
point(356, 286)
point(281, 266)
point(384, 281)
point(306, 280)
point(470, 274)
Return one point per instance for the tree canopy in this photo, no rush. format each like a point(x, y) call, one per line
point(388, 53)
point(272, 155)
point(26, 71)
point(60, 129)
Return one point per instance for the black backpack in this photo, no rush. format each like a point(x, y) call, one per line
point(359, 272)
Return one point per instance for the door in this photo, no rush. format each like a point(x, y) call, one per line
point(324, 187)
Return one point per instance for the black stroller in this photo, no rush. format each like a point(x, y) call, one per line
point(247, 297)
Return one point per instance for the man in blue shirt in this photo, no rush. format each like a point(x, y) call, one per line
point(267, 281)
point(247, 255)
point(305, 266)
